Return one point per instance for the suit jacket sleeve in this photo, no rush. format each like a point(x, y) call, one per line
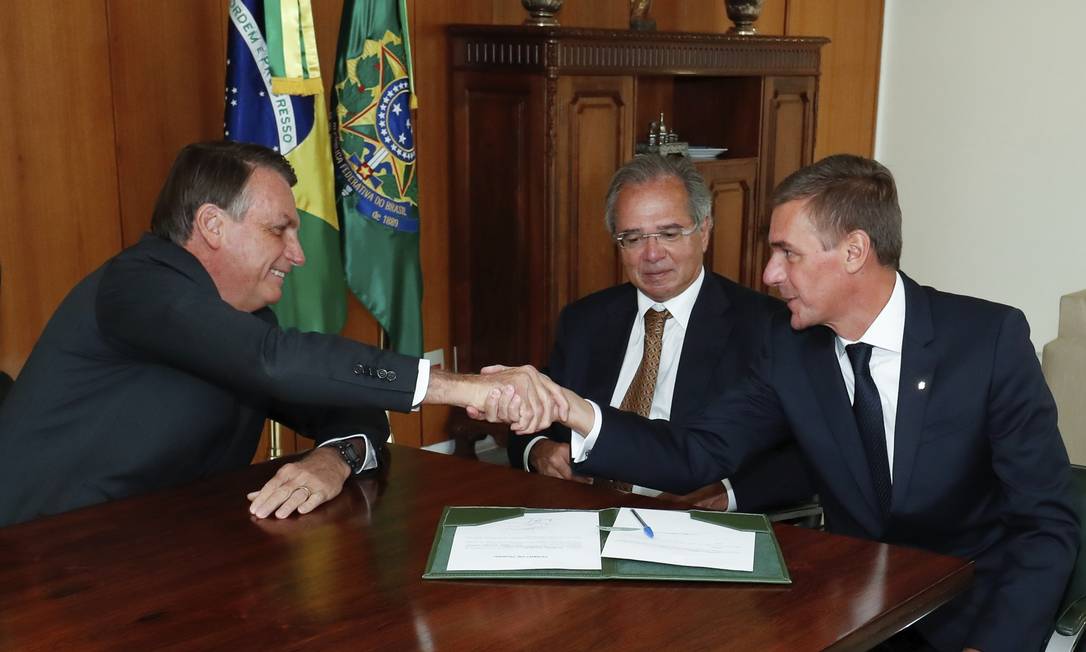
point(321, 424)
point(712, 445)
point(169, 312)
point(1031, 464)
point(773, 479)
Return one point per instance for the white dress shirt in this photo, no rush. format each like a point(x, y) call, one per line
point(885, 335)
point(680, 307)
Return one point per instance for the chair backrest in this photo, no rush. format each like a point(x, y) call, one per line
point(1076, 588)
point(1064, 364)
point(1071, 618)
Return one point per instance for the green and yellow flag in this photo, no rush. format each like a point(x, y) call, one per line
point(274, 97)
point(374, 155)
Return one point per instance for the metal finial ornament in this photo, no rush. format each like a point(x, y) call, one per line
point(542, 12)
point(639, 16)
point(743, 13)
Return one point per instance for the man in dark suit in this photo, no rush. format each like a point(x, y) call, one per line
point(923, 415)
point(161, 366)
point(708, 342)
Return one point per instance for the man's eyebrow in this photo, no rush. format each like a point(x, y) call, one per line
point(670, 225)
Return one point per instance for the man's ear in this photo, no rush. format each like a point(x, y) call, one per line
point(207, 225)
point(858, 248)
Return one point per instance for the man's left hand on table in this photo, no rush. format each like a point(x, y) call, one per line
point(301, 486)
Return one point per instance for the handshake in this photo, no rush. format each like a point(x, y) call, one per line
point(523, 397)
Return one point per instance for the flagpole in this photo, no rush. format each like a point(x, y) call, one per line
point(275, 440)
point(382, 344)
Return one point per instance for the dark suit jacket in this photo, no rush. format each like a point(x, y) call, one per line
point(726, 326)
point(145, 378)
point(980, 470)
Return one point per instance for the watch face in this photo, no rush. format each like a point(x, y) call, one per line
point(350, 456)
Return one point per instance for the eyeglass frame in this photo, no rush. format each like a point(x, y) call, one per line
point(619, 238)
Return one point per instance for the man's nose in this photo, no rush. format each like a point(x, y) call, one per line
point(774, 271)
point(294, 251)
point(653, 249)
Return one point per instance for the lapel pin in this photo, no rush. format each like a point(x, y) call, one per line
point(922, 385)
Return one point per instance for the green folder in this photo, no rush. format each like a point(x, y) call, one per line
point(768, 562)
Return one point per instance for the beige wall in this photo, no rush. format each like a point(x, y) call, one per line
point(980, 119)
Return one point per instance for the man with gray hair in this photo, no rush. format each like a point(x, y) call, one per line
point(667, 341)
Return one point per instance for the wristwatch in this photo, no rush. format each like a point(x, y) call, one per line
point(350, 455)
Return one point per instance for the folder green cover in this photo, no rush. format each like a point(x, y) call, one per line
point(769, 564)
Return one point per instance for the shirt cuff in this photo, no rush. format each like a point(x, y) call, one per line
point(581, 445)
point(528, 449)
point(371, 455)
point(732, 507)
point(422, 383)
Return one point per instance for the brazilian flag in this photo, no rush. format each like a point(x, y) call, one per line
point(374, 154)
point(274, 98)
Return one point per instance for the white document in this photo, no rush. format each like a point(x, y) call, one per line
point(543, 540)
point(680, 540)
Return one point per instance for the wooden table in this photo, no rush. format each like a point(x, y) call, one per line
point(189, 569)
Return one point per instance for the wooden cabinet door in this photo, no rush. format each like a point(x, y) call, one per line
point(788, 129)
point(497, 233)
point(595, 137)
point(734, 245)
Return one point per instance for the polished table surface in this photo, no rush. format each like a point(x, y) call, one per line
point(190, 569)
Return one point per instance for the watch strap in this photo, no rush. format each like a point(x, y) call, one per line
point(350, 455)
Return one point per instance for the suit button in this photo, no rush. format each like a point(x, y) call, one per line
point(358, 369)
point(381, 373)
point(391, 376)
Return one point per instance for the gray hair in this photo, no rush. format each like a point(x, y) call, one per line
point(649, 167)
point(847, 193)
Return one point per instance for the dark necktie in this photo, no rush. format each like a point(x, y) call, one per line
point(868, 412)
point(639, 395)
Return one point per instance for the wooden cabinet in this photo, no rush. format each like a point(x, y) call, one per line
point(542, 117)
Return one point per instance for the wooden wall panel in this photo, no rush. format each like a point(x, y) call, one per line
point(167, 59)
point(430, 52)
point(698, 16)
point(57, 165)
point(848, 90)
point(690, 16)
point(771, 21)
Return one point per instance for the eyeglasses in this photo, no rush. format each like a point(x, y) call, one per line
point(636, 240)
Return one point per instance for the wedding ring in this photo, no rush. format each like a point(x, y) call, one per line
point(307, 490)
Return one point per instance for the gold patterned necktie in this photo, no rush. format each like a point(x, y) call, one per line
point(639, 396)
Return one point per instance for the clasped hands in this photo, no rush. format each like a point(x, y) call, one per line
point(523, 397)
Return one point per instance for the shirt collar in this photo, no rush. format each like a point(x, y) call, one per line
point(680, 306)
point(888, 329)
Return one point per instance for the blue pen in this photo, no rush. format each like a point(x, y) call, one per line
point(644, 526)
